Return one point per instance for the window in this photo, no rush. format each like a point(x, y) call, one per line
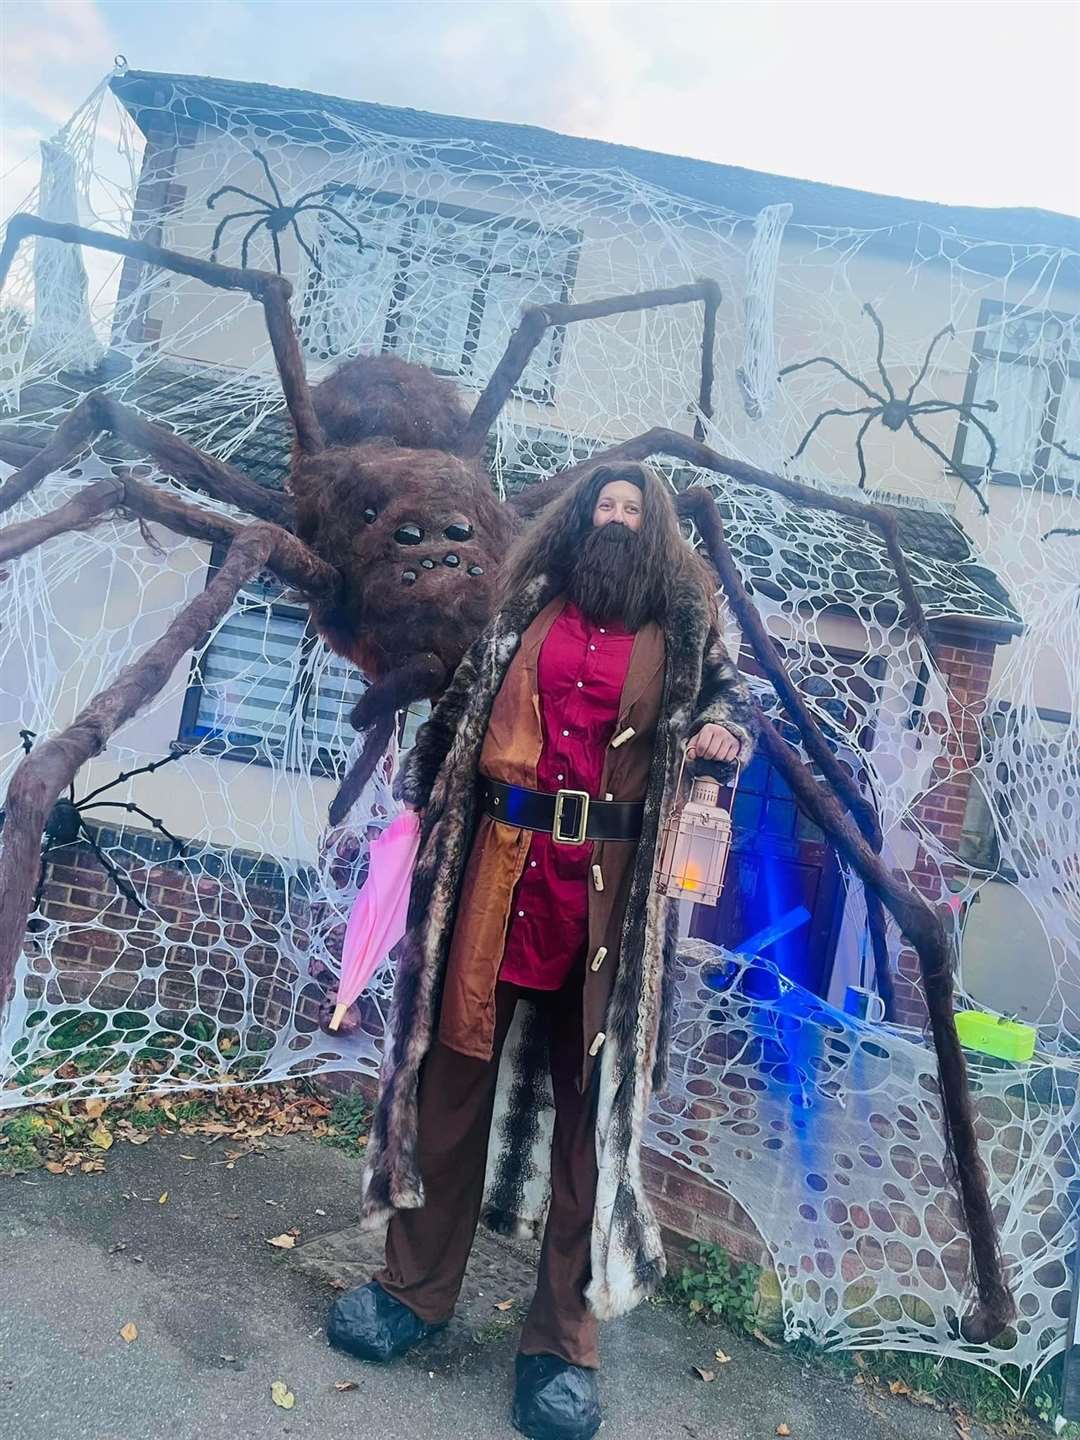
point(266, 687)
point(437, 284)
point(1028, 363)
point(1037, 767)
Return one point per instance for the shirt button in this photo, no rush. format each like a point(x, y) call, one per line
point(566, 732)
point(532, 864)
point(560, 777)
point(580, 684)
point(521, 914)
point(592, 647)
point(602, 630)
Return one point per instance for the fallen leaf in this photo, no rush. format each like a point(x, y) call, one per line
point(94, 1108)
point(163, 1197)
point(229, 1359)
point(339, 1284)
point(138, 1139)
point(282, 1395)
point(320, 1212)
point(53, 1168)
point(783, 1429)
point(283, 1242)
point(129, 1333)
point(722, 1359)
point(100, 1138)
point(766, 1340)
point(897, 1387)
point(345, 1385)
point(707, 1375)
point(92, 1167)
point(504, 1304)
point(115, 1249)
point(189, 1157)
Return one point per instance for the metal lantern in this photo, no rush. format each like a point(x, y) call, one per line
point(696, 845)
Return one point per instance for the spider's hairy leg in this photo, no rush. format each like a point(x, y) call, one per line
point(868, 309)
point(290, 559)
point(537, 319)
point(826, 415)
point(834, 365)
point(220, 229)
point(269, 178)
point(271, 291)
point(52, 764)
point(72, 437)
point(78, 513)
point(419, 678)
point(950, 467)
point(967, 411)
point(921, 376)
point(839, 808)
point(859, 451)
point(176, 457)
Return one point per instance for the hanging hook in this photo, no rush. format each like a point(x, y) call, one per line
point(120, 64)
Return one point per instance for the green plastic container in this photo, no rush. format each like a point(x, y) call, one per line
point(994, 1035)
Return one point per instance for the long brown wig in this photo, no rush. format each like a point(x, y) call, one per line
point(551, 544)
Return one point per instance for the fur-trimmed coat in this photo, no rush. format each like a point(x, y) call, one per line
point(701, 686)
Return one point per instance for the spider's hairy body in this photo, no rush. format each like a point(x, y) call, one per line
point(416, 537)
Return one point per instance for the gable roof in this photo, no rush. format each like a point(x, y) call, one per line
point(783, 550)
point(156, 99)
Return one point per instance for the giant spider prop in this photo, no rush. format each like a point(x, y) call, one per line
point(66, 823)
point(895, 411)
point(391, 530)
point(277, 216)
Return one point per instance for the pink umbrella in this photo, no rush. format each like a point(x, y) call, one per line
point(377, 920)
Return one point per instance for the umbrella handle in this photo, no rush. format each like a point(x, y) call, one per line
point(338, 1016)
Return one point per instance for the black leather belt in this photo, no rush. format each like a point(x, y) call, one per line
point(570, 817)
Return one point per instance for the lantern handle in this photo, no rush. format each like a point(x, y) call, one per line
point(733, 783)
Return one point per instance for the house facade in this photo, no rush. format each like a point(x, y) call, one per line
point(427, 236)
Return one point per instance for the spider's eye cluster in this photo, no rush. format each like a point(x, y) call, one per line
point(409, 535)
point(459, 530)
point(370, 515)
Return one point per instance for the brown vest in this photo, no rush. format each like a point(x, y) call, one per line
point(510, 753)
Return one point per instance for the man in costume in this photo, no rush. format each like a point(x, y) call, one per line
point(533, 996)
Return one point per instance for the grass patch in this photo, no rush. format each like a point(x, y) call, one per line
point(714, 1287)
point(18, 1144)
point(347, 1128)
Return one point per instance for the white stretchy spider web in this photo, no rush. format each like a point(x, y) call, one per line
point(825, 1130)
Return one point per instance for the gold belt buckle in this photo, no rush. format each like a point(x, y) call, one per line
point(578, 837)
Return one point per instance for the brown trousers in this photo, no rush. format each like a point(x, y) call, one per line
point(427, 1249)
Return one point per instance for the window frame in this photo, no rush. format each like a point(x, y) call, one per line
point(266, 752)
point(1041, 476)
point(408, 253)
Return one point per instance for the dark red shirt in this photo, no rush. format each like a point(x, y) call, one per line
point(581, 672)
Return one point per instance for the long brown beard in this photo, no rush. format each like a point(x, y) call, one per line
point(607, 579)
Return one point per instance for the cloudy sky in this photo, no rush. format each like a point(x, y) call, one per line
point(969, 103)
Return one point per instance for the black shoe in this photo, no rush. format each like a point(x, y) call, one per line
point(554, 1400)
point(372, 1325)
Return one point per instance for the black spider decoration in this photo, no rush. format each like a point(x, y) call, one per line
point(66, 824)
point(895, 411)
point(277, 216)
